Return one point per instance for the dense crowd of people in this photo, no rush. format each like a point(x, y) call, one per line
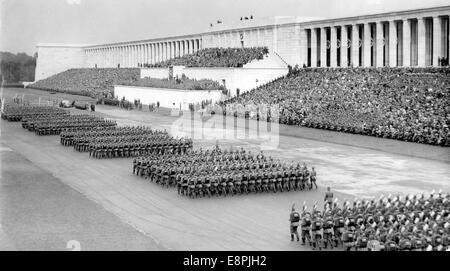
point(183, 83)
point(216, 57)
point(217, 172)
point(87, 82)
point(116, 142)
point(410, 104)
point(390, 223)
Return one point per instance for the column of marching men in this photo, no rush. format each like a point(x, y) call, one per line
point(217, 172)
point(115, 142)
point(410, 223)
point(166, 160)
point(48, 120)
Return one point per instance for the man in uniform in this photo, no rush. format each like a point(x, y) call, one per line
point(313, 177)
point(306, 226)
point(294, 219)
point(328, 199)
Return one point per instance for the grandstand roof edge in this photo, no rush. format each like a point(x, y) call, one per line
point(143, 41)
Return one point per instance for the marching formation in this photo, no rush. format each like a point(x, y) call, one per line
point(54, 125)
point(217, 172)
point(390, 223)
point(15, 112)
point(115, 142)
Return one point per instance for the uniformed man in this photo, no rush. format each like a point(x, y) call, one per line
point(295, 220)
point(328, 199)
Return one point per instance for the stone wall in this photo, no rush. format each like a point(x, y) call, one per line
point(169, 98)
point(54, 58)
point(159, 73)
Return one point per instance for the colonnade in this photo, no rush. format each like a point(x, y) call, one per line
point(389, 42)
point(397, 39)
point(140, 54)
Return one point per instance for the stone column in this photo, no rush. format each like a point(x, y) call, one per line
point(323, 47)
point(158, 52)
point(303, 46)
point(355, 45)
point(163, 51)
point(167, 50)
point(380, 43)
point(153, 52)
point(333, 49)
point(111, 57)
point(421, 49)
point(406, 43)
point(167, 55)
point(313, 48)
point(196, 45)
point(344, 46)
point(124, 56)
point(392, 44)
point(437, 40)
point(149, 53)
point(135, 55)
point(138, 55)
point(144, 61)
point(130, 55)
point(174, 49)
point(107, 57)
point(123, 63)
point(141, 54)
point(130, 64)
point(119, 56)
point(366, 54)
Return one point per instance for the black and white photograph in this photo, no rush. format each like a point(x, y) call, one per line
point(202, 126)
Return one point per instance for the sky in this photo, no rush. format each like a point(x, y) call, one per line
point(25, 23)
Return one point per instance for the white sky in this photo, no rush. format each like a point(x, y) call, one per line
point(24, 23)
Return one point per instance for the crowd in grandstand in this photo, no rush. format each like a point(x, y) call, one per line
point(175, 83)
point(88, 82)
point(218, 172)
point(405, 104)
point(216, 57)
point(390, 223)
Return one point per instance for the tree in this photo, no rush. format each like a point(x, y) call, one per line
point(17, 68)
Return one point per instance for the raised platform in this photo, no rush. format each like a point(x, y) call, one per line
point(170, 98)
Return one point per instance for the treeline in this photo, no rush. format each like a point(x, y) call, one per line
point(17, 68)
